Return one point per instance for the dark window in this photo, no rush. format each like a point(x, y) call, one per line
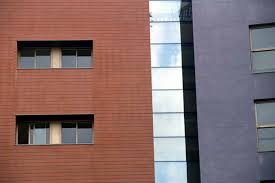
point(54, 54)
point(23, 133)
point(84, 58)
point(35, 58)
point(33, 133)
point(76, 58)
point(84, 132)
point(27, 58)
point(68, 59)
point(76, 133)
point(39, 133)
point(68, 133)
point(54, 129)
point(43, 58)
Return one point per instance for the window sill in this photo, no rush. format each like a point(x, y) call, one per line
point(270, 151)
point(82, 68)
point(25, 145)
point(263, 72)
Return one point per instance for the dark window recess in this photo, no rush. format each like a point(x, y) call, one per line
point(54, 54)
point(23, 133)
point(68, 133)
point(76, 58)
point(54, 129)
point(76, 133)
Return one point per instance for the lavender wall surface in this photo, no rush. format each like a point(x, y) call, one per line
point(227, 88)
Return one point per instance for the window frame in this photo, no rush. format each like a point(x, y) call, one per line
point(252, 51)
point(49, 140)
point(76, 134)
point(76, 58)
point(29, 133)
point(51, 58)
point(35, 62)
point(259, 126)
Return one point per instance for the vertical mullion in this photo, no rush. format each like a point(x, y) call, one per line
point(16, 140)
point(29, 140)
point(76, 134)
point(35, 58)
point(76, 60)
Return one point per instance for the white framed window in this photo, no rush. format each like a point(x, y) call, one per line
point(265, 123)
point(262, 45)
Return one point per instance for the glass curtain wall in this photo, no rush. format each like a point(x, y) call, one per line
point(173, 91)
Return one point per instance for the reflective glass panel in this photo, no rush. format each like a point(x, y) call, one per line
point(166, 55)
point(39, 133)
point(168, 101)
point(263, 38)
point(168, 32)
point(68, 133)
point(43, 58)
point(170, 149)
point(84, 59)
point(169, 124)
point(165, 10)
point(266, 139)
point(26, 59)
point(265, 113)
point(84, 132)
point(167, 78)
point(170, 172)
point(68, 59)
point(263, 61)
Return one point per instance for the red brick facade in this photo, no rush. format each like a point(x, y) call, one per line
point(117, 90)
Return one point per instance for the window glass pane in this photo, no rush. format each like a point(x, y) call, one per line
point(41, 133)
point(265, 113)
point(263, 61)
point(170, 149)
point(23, 133)
point(166, 55)
point(169, 124)
point(26, 58)
point(43, 58)
point(68, 59)
point(167, 78)
point(168, 32)
point(170, 172)
point(168, 101)
point(266, 139)
point(68, 133)
point(84, 58)
point(165, 10)
point(84, 133)
point(263, 38)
